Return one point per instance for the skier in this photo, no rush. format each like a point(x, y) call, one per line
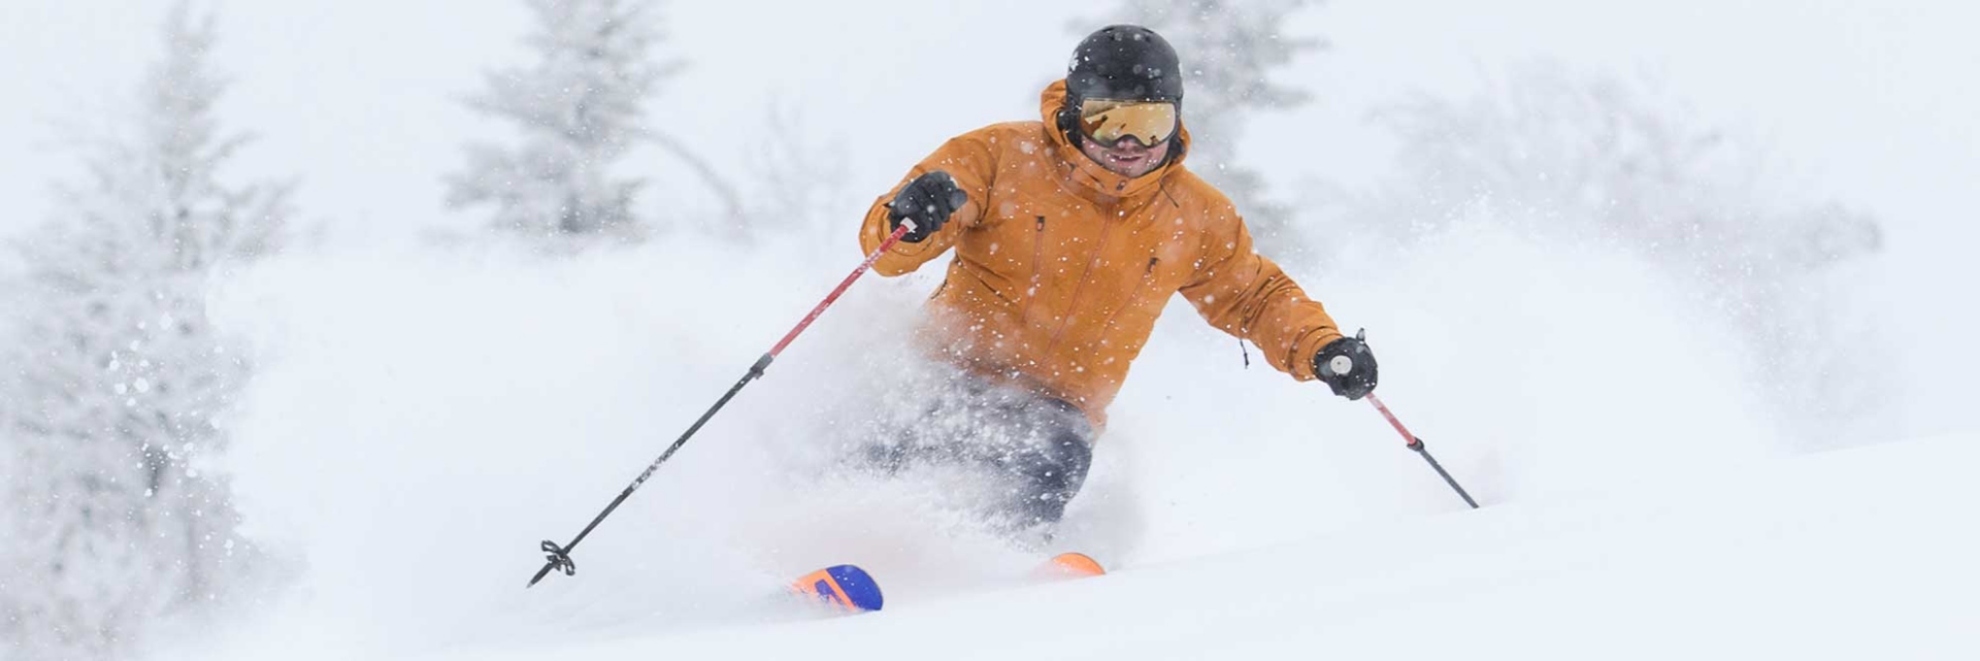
point(1070, 235)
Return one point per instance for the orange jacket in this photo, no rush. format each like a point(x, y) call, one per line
point(1061, 266)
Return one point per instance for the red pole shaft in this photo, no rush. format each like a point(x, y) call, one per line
point(1408, 438)
point(892, 239)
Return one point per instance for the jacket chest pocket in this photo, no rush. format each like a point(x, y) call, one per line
point(1166, 263)
point(1141, 297)
point(1162, 265)
point(1035, 238)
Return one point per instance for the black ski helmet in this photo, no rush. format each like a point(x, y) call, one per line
point(1126, 62)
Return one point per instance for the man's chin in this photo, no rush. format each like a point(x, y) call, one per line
point(1129, 168)
point(1133, 168)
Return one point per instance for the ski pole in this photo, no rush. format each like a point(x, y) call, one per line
point(559, 557)
point(1417, 445)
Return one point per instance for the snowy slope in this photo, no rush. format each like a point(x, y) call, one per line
point(1865, 553)
point(422, 420)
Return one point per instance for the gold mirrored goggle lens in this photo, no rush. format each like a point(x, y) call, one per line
point(1107, 121)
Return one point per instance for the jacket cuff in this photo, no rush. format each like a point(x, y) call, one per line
point(1308, 347)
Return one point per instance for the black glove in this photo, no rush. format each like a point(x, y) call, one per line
point(928, 201)
point(1347, 366)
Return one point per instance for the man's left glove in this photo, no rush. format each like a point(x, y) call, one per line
point(1347, 366)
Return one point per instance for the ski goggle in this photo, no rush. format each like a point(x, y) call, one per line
point(1108, 120)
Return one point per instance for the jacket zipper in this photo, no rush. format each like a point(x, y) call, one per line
point(1037, 255)
point(1072, 304)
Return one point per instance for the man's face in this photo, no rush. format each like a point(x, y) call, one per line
point(1126, 157)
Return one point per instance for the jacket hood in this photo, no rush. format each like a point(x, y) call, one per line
point(1093, 175)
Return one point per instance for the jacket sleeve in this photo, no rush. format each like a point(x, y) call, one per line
point(971, 160)
point(1245, 294)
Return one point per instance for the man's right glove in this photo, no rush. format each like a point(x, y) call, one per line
point(1347, 366)
point(928, 201)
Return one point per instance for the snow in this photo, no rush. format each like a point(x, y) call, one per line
point(1847, 554)
point(424, 417)
point(1647, 508)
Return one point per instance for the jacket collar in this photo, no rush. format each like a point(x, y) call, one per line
point(1091, 175)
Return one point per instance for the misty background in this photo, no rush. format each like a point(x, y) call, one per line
point(1599, 246)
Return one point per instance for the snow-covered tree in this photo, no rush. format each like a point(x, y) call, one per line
point(1615, 162)
point(1229, 50)
point(579, 108)
point(113, 380)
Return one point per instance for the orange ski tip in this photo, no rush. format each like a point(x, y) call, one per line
point(822, 586)
point(1077, 564)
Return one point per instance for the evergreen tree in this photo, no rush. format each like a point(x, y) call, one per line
point(1229, 48)
point(115, 378)
point(579, 109)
